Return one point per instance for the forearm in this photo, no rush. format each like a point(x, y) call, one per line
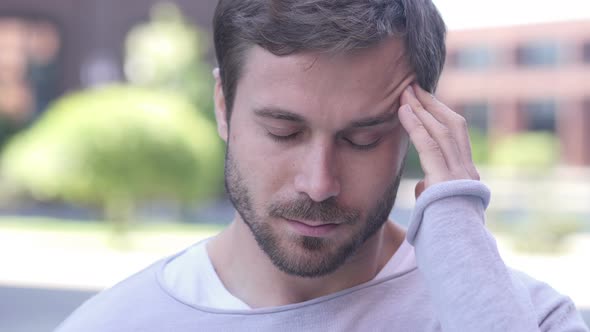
point(471, 288)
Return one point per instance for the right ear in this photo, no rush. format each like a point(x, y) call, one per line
point(220, 107)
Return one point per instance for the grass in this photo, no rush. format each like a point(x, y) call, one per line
point(60, 225)
point(92, 235)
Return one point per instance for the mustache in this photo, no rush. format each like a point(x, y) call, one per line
point(304, 208)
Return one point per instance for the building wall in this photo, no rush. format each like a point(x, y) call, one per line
point(520, 69)
point(93, 32)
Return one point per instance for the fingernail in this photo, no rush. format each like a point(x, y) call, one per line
point(406, 108)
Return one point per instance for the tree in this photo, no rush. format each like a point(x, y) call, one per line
point(167, 53)
point(116, 146)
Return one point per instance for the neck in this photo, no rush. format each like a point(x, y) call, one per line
point(248, 273)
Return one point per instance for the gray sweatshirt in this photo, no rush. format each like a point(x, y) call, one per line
point(461, 284)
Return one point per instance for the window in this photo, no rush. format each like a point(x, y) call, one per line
point(538, 54)
point(477, 57)
point(540, 114)
point(29, 52)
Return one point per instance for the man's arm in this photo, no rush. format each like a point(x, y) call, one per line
point(471, 288)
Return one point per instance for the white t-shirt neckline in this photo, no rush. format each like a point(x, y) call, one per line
point(192, 278)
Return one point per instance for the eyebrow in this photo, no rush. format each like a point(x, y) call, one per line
point(278, 114)
point(282, 114)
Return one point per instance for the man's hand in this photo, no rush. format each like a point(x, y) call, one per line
point(440, 136)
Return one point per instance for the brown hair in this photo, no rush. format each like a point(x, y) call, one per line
point(285, 27)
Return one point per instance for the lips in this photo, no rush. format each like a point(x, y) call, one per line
point(310, 228)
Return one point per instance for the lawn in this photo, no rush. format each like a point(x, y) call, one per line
point(88, 235)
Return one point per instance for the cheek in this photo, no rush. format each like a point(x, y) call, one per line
point(265, 168)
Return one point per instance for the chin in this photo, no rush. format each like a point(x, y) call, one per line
point(310, 257)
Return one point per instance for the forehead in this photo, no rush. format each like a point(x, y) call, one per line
point(364, 80)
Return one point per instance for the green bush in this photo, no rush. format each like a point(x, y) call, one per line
point(541, 232)
point(116, 146)
point(479, 146)
point(530, 150)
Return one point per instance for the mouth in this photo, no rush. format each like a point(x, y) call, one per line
point(311, 228)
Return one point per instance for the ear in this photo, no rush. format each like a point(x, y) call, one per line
point(220, 107)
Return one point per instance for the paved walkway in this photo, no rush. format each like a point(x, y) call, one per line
point(35, 309)
point(568, 273)
point(26, 263)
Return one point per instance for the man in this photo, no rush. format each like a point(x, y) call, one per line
point(318, 101)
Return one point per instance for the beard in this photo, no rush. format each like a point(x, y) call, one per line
point(306, 256)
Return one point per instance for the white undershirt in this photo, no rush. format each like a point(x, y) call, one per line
point(192, 278)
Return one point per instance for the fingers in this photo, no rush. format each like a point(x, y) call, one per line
point(456, 124)
point(431, 156)
point(439, 135)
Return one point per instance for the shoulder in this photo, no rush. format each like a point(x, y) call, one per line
point(553, 309)
point(114, 308)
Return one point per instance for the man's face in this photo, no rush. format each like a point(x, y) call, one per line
point(315, 152)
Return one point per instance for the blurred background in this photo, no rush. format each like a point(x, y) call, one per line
point(109, 157)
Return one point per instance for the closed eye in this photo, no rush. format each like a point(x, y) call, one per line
point(363, 146)
point(353, 144)
point(283, 138)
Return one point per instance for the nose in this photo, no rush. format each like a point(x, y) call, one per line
point(317, 174)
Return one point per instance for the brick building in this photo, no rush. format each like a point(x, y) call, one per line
point(49, 47)
point(517, 78)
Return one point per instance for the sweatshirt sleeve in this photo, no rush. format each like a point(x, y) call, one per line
point(471, 287)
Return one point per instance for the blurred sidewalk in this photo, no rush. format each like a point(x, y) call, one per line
point(64, 261)
point(568, 273)
point(27, 263)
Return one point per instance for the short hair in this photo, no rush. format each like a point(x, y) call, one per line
point(285, 27)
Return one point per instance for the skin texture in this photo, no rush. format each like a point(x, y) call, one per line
point(346, 142)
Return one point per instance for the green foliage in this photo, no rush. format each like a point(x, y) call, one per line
point(412, 167)
point(116, 146)
point(38, 234)
point(479, 146)
point(537, 232)
point(530, 150)
point(166, 53)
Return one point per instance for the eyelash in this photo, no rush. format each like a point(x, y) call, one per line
point(364, 147)
point(288, 138)
point(283, 139)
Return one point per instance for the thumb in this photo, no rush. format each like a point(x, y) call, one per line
point(419, 188)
